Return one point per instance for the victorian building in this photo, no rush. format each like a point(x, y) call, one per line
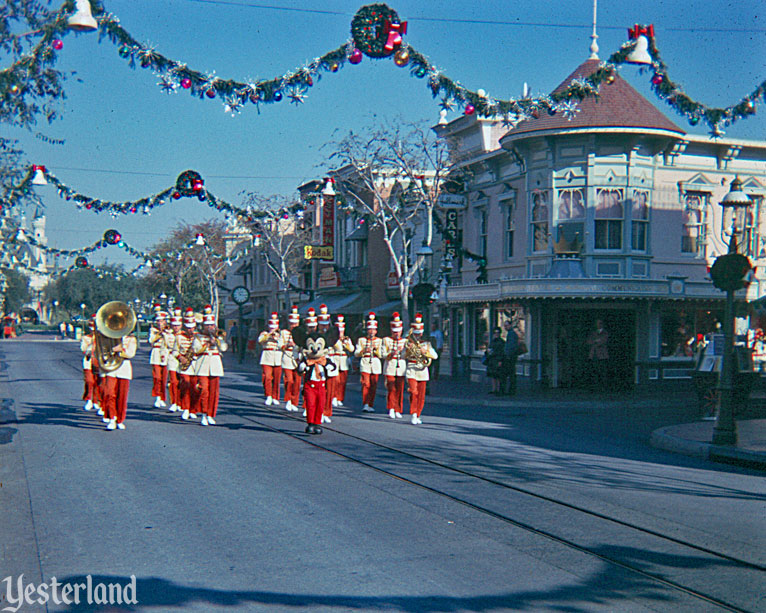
point(609, 214)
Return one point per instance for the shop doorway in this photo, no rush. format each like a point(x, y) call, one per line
point(575, 368)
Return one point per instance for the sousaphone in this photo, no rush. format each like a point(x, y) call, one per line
point(114, 320)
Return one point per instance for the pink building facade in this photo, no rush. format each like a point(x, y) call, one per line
point(611, 214)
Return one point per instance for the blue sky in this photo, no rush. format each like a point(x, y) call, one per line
point(125, 138)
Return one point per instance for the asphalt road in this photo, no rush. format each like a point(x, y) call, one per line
point(539, 506)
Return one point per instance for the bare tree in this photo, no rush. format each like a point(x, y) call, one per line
point(393, 175)
point(280, 232)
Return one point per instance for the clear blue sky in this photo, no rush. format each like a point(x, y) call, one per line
point(126, 139)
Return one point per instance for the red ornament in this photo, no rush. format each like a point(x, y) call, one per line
point(197, 186)
point(470, 109)
point(57, 44)
point(210, 93)
point(355, 57)
point(656, 79)
point(176, 195)
point(186, 83)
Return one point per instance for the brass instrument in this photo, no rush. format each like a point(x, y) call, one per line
point(185, 358)
point(114, 320)
point(413, 352)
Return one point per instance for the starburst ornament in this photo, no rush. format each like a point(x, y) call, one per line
point(168, 84)
point(447, 104)
point(569, 109)
point(297, 95)
point(232, 105)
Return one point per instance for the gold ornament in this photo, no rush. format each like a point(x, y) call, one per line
point(610, 78)
point(402, 57)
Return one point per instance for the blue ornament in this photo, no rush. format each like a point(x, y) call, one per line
point(277, 96)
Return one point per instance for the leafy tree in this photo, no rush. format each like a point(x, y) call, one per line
point(392, 175)
point(91, 287)
point(17, 292)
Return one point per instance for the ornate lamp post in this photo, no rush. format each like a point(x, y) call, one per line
point(728, 274)
point(82, 319)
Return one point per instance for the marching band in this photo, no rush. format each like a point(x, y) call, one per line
point(187, 367)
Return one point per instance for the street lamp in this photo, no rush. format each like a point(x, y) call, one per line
point(82, 319)
point(728, 274)
point(137, 302)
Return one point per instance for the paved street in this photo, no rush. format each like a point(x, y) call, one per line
point(548, 502)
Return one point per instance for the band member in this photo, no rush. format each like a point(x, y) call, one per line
point(368, 349)
point(311, 324)
point(90, 369)
point(184, 354)
point(158, 359)
point(117, 384)
point(324, 323)
point(176, 323)
point(271, 360)
point(210, 344)
point(339, 356)
point(289, 361)
point(394, 367)
point(419, 354)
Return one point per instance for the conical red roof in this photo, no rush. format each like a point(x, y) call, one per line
point(619, 105)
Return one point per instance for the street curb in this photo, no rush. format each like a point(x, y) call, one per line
point(661, 439)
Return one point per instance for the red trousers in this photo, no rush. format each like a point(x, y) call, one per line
point(159, 381)
point(271, 377)
point(332, 387)
point(369, 387)
point(341, 389)
point(116, 398)
point(314, 396)
point(173, 388)
point(91, 391)
point(292, 385)
point(209, 390)
point(395, 389)
point(417, 391)
point(189, 388)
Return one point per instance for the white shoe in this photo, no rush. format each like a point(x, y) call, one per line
point(185, 414)
point(414, 420)
point(326, 420)
point(112, 425)
point(163, 403)
point(288, 406)
point(340, 405)
point(105, 420)
point(304, 412)
point(275, 402)
point(334, 402)
point(368, 409)
point(210, 421)
point(173, 408)
point(120, 426)
point(392, 413)
point(88, 405)
point(420, 421)
point(100, 411)
point(399, 415)
point(193, 415)
point(157, 403)
point(204, 420)
point(268, 400)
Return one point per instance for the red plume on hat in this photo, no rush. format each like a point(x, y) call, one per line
point(371, 321)
point(417, 324)
point(396, 323)
point(294, 317)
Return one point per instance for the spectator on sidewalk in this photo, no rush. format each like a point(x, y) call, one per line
point(493, 359)
point(62, 330)
point(598, 355)
point(234, 337)
point(510, 355)
point(437, 342)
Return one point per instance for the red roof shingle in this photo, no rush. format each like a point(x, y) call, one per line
point(619, 105)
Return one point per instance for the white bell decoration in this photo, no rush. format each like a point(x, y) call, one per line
point(640, 53)
point(39, 178)
point(200, 240)
point(82, 19)
point(443, 117)
point(481, 93)
point(328, 189)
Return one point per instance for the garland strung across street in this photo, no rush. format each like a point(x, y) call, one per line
point(377, 32)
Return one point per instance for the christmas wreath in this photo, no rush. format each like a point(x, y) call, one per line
point(189, 183)
point(728, 272)
point(376, 30)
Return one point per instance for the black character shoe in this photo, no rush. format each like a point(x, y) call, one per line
point(309, 429)
point(317, 430)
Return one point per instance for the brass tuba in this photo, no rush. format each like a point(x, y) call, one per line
point(113, 321)
point(414, 352)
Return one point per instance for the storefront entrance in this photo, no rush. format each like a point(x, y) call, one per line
point(575, 369)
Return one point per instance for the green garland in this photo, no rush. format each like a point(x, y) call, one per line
point(27, 77)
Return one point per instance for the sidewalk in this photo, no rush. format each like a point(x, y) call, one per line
point(693, 439)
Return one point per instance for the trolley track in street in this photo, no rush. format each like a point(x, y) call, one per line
point(314, 442)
